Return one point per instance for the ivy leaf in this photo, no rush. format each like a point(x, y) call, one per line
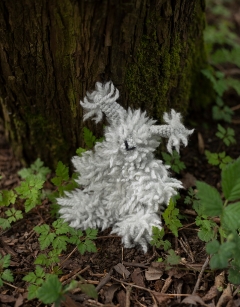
point(51, 291)
point(210, 199)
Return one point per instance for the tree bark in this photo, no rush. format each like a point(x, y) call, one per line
point(53, 51)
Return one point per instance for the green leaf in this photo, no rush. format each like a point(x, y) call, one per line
point(61, 226)
point(4, 223)
point(231, 216)
point(51, 291)
point(91, 233)
point(221, 258)
point(210, 199)
point(5, 261)
point(62, 171)
point(90, 246)
point(89, 138)
point(60, 242)
point(8, 197)
point(173, 258)
point(80, 151)
point(7, 275)
point(206, 232)
point(32, 291)
point(231, 180)
point(171, 219)
point(90, 290)
point(234, 276)
point(212, 247)
point(36, 169)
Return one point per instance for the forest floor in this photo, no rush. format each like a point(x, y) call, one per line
point(128, 277)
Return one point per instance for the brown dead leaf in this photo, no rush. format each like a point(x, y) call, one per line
point(120, 268)
point(212, 293)
point(225, 297)
point(19, 301)
point(220, 281)
point(121, 297)
point(201, 145)
point(154, 272)
point(188, 181)
point(193, 300)
point(176, 273)
point(7, 298)
point(109, 293)
point(137, 277)
point(161, 298)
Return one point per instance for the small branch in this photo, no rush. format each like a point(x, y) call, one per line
point(135, 264)
point(200, 275)
point(104, 280)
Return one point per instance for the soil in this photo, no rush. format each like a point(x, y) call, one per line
point(128, 277)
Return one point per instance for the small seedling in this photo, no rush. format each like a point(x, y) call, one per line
point(171, 217)
point(226, 135)
point(219, 159)
point(174, 161)
point(5, 273)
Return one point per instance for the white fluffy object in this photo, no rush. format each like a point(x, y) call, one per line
point(121, 184)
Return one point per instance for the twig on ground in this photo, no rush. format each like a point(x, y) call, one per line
point(166, 285)
point(128, 294)
point(148, 290)
point(60, 266)
point(200, 275)
point(104, 280)
point(64, 279)
point(135, 264)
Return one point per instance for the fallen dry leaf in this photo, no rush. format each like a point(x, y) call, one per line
point(121, 297)
point(188, 181)
point(120, 268)
point(161, 298)
point(137, 277)
point(201, 145)
point(225, 297)
point(19, 301)
point(212, 293)
point(154, 272)
point(193, 300)
point(109, 293)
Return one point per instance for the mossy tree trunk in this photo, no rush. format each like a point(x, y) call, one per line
point(53, 51)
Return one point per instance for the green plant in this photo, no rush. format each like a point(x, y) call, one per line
point(226, 135)
point(220, 159)
point(174, 161)
point(157, 239)
point(89, 139)
point(225, 245)
point(206, 225)
point(171, 217)
point(5, 273)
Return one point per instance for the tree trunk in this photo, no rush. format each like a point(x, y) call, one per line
point(53, 51)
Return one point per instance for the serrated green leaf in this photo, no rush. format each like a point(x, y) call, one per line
point(205, 234)
point(91, 233)
point(90, 290)
point(90, 246)
point(39, 272)
point(61, 226)
point(5, 261)
point(36, 169)
point(42, 229)
point(173, 258)
point(234, 276)
point(60, 242)
point(231, 216)
point(89, 138)
point(212, 247)
point(32, 291)
point(80, 151)
point(46, 240)
point(4, 223)
point(51, 291)
point(41, 260)
point(231, 181)
point(81, 248)
point(30, 277)
point(62, 171)
point(7, 275)
point(8, 197)
point(210, 199)
point(221, 258)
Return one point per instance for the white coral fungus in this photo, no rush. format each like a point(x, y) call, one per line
point(121, 184)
